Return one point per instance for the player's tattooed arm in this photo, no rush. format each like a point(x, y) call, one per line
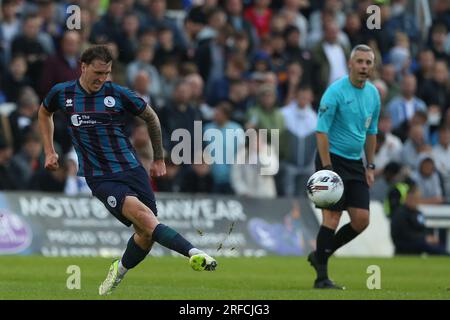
point(154, 131)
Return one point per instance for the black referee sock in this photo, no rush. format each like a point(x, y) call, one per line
point(171, 239)
point(324, 250)
point(133, 254)
point(343, 236)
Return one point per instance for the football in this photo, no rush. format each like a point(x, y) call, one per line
point(325, 188)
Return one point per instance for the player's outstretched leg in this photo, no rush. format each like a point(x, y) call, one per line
point(171, 239)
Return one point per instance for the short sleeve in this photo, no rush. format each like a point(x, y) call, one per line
point(50, 101)
point(327, 110)
point(373, 127)
point(131, 101)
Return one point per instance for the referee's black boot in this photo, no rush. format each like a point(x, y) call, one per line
point(327, 284)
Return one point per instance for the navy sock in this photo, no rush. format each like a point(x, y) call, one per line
point(171, 239)
point(324, 250)
point(343, 236)
point(133, 254)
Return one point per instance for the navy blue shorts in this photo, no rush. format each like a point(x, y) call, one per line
point(112, 189)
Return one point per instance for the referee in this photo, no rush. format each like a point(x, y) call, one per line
point(347, 124)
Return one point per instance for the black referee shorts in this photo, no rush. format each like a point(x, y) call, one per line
point(353, 174)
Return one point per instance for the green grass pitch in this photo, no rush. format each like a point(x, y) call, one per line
point(268, 278)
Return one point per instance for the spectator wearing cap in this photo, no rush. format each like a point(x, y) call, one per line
point(261, 62)
point(62, 66)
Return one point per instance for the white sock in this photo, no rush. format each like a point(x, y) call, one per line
point(121, 269)
point(194, 251)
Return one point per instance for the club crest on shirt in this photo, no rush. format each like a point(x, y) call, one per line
point(109, 101)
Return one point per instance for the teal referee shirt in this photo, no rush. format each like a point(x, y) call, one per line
point(347, 114)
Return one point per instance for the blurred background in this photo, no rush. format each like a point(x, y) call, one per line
point(238, 64)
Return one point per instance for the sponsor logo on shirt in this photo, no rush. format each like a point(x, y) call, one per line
point(88, 120)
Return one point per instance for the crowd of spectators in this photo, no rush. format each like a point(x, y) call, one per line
point(231, 65)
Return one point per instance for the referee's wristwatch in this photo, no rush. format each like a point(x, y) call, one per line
point(371, 166)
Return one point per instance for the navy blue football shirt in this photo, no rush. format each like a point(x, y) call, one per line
point(96, 124)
